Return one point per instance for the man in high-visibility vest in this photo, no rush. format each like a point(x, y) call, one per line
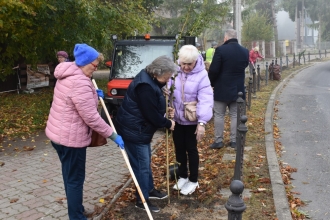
point(210, 51)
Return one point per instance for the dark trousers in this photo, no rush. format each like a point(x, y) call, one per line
point(73, 162)
point(139, 156)
point(185, 142)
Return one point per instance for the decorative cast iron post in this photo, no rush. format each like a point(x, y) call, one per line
point(258, 77)
point(309, 56)
point(241, 133)
point(281, 63)
point(287, 61)
point(254, 81)
point(294, 60)
point(235, 204)
point(240, 109)
point(266, 73)
point(250, 93)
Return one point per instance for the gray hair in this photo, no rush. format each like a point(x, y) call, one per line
point(231, 33)
point(188, 54)
point(161, 65)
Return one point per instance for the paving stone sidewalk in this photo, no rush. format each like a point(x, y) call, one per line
point(31, 184)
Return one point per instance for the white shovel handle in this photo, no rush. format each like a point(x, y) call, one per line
point(125, 157)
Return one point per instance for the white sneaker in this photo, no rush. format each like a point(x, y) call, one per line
point(189, 188)
point(181, 182)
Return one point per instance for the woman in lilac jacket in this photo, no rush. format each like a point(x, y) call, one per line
point(73, 116)
point(193, 80)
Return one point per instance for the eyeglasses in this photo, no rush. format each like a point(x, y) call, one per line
point(95, 66)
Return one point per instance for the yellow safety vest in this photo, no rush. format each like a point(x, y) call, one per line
point(209, 54)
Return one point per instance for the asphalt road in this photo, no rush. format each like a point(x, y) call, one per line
point(304, 122)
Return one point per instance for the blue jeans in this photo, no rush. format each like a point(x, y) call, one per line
point(140, 159)
point(73, 162)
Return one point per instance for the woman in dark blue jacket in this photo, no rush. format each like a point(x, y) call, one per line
point(140, 115)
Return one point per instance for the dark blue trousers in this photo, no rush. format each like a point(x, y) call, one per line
point(139, 156)
point(73, 162)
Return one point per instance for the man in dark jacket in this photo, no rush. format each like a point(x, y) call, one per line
point(227, 74)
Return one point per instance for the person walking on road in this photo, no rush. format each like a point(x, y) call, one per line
point(139, 116)
point(253, 57)
point(210, 52)
point(227, 74)
point(191, 84)
point(73, 116)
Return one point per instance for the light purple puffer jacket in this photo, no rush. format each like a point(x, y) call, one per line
point(197, 87)
point(74, 113)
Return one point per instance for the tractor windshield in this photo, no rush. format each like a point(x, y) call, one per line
point(129, 60)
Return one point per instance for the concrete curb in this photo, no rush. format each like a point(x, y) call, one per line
point(279, 193)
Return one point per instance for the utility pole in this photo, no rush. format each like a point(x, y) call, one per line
point(272, 2)
point(238, 20)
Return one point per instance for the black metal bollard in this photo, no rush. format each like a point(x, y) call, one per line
point(254, 81)
point(241, 134)
point(235, 204)
point(266, 73)
point(258, 77)
point(287, 61)
point(245, 102)
point(294, 60)
point(281, 64)
point(275, 60)
point(240, 109)
point(250, 93)
point(304, 59)
point(309, 57)
point(299, 59)
point(271, 70)
point(320, 53)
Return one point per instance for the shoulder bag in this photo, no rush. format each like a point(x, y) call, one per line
point(189, 107)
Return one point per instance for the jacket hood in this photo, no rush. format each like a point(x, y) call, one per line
point(66, 69)
point(198, 67)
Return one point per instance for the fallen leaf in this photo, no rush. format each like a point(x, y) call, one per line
point(14, 200)
point(101, 200)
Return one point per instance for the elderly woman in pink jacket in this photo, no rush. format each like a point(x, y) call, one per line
point(72, 118)
point(191, 84)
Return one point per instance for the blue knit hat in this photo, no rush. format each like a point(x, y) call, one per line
point(84, 54)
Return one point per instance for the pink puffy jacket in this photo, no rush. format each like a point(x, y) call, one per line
point(74, 113)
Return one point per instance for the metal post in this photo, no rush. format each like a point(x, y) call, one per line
point(271, 71)
point(250, 92)
point(276, 61)
point(266, 73)
point(258, 77)
point(254, 82)
point(299, 59)
point(304, 59)
point(235, 204)
point(241, 134)
point(294, 60)
point(240, 109)
point(309, 57)
point(281, 63)
point(325, 52)
point(245, 102)
point(320, 53)
point(287, 61)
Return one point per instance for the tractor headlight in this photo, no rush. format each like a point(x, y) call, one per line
point(113, 91)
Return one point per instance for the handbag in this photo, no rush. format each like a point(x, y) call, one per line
point(189, 107)
point(97, 140)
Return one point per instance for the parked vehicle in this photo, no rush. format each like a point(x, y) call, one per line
point(129, 57)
